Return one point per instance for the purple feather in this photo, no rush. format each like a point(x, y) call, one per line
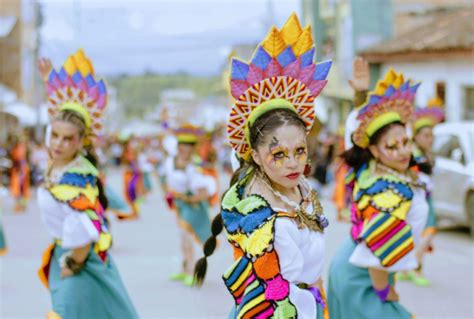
point(293, 69)
point(93, 92)
point(102, 101)
point(273, 69)
point(254, 75)
point(238, 87)
point(317, 86)
point(306, 74)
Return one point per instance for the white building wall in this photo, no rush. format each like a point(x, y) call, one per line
point(457, 74)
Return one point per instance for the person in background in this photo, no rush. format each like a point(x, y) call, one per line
point(424, 121)
point(389, 207)
point(20, 173)
point(77, 268)
point(188, 191)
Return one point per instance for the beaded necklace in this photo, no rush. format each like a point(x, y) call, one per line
point(407, 178)
point(314, 220)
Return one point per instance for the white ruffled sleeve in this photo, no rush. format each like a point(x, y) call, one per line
point(199, 181)
point(291, 266)
point(416, 218)
point(78, 229)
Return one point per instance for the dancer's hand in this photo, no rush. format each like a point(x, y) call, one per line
point(360, 75)
point(66, 272)
point(44, 67)
point(392, 295)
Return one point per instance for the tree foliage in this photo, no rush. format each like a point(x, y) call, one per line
point(139, 95)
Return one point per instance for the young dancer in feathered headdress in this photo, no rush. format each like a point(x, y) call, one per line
point(188, 191)
point(77, 267)
point(272, 217)
point(424, 120)
point(389, 207)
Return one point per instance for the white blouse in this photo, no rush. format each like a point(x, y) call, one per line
point(301, 255)
point(187, 180)
point(416, 218)
point(73, 228)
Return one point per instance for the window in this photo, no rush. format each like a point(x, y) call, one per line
point(448, 146)
point(468, 103)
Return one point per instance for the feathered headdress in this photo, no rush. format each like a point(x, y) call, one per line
point(430, 116)
point(188, 133)
point(281, 74)
point(391, 101)
point(75, 87)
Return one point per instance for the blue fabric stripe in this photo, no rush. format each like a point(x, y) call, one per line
point(237, 272)
point(396, 244)
point(376, 225)
point(249, 296)
point(78, 179)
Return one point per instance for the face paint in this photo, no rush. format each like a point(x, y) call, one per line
point(284, 157)
point(395, 148)
point(65, 141)
point(301, 153)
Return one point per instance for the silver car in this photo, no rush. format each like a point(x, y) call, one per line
point(453, 191)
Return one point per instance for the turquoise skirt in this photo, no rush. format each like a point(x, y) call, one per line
point(96, 292)
point(431, 221)
point(3, 244)
point(116, 202)
point(147, 182)
point(350, 292)
point(195, 219)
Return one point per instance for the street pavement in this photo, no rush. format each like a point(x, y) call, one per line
point(146, 252)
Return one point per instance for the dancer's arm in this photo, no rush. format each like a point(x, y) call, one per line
point(78, 257)
point(380, 281)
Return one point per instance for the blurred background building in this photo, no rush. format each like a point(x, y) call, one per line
point(431, 41)
point(19, 45)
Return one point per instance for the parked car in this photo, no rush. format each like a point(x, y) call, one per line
point(453, 192)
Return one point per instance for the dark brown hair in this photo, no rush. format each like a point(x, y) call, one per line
point(262, 127)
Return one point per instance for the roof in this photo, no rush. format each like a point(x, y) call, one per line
point(450, 33)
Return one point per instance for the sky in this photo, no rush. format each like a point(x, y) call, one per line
point(163, 36)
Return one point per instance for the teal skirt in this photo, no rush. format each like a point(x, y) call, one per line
point(3, 244)
point(147, 182)
point(195, 219)
point(431, 221)
point(116, 202)
point(96, 292)
point(350, 292)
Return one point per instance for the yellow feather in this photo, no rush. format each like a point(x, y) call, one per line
point(70, 66)
point(291, 30)
point(274, 43)
point(304, 42)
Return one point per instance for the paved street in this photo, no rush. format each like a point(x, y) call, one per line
point(146, 252)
